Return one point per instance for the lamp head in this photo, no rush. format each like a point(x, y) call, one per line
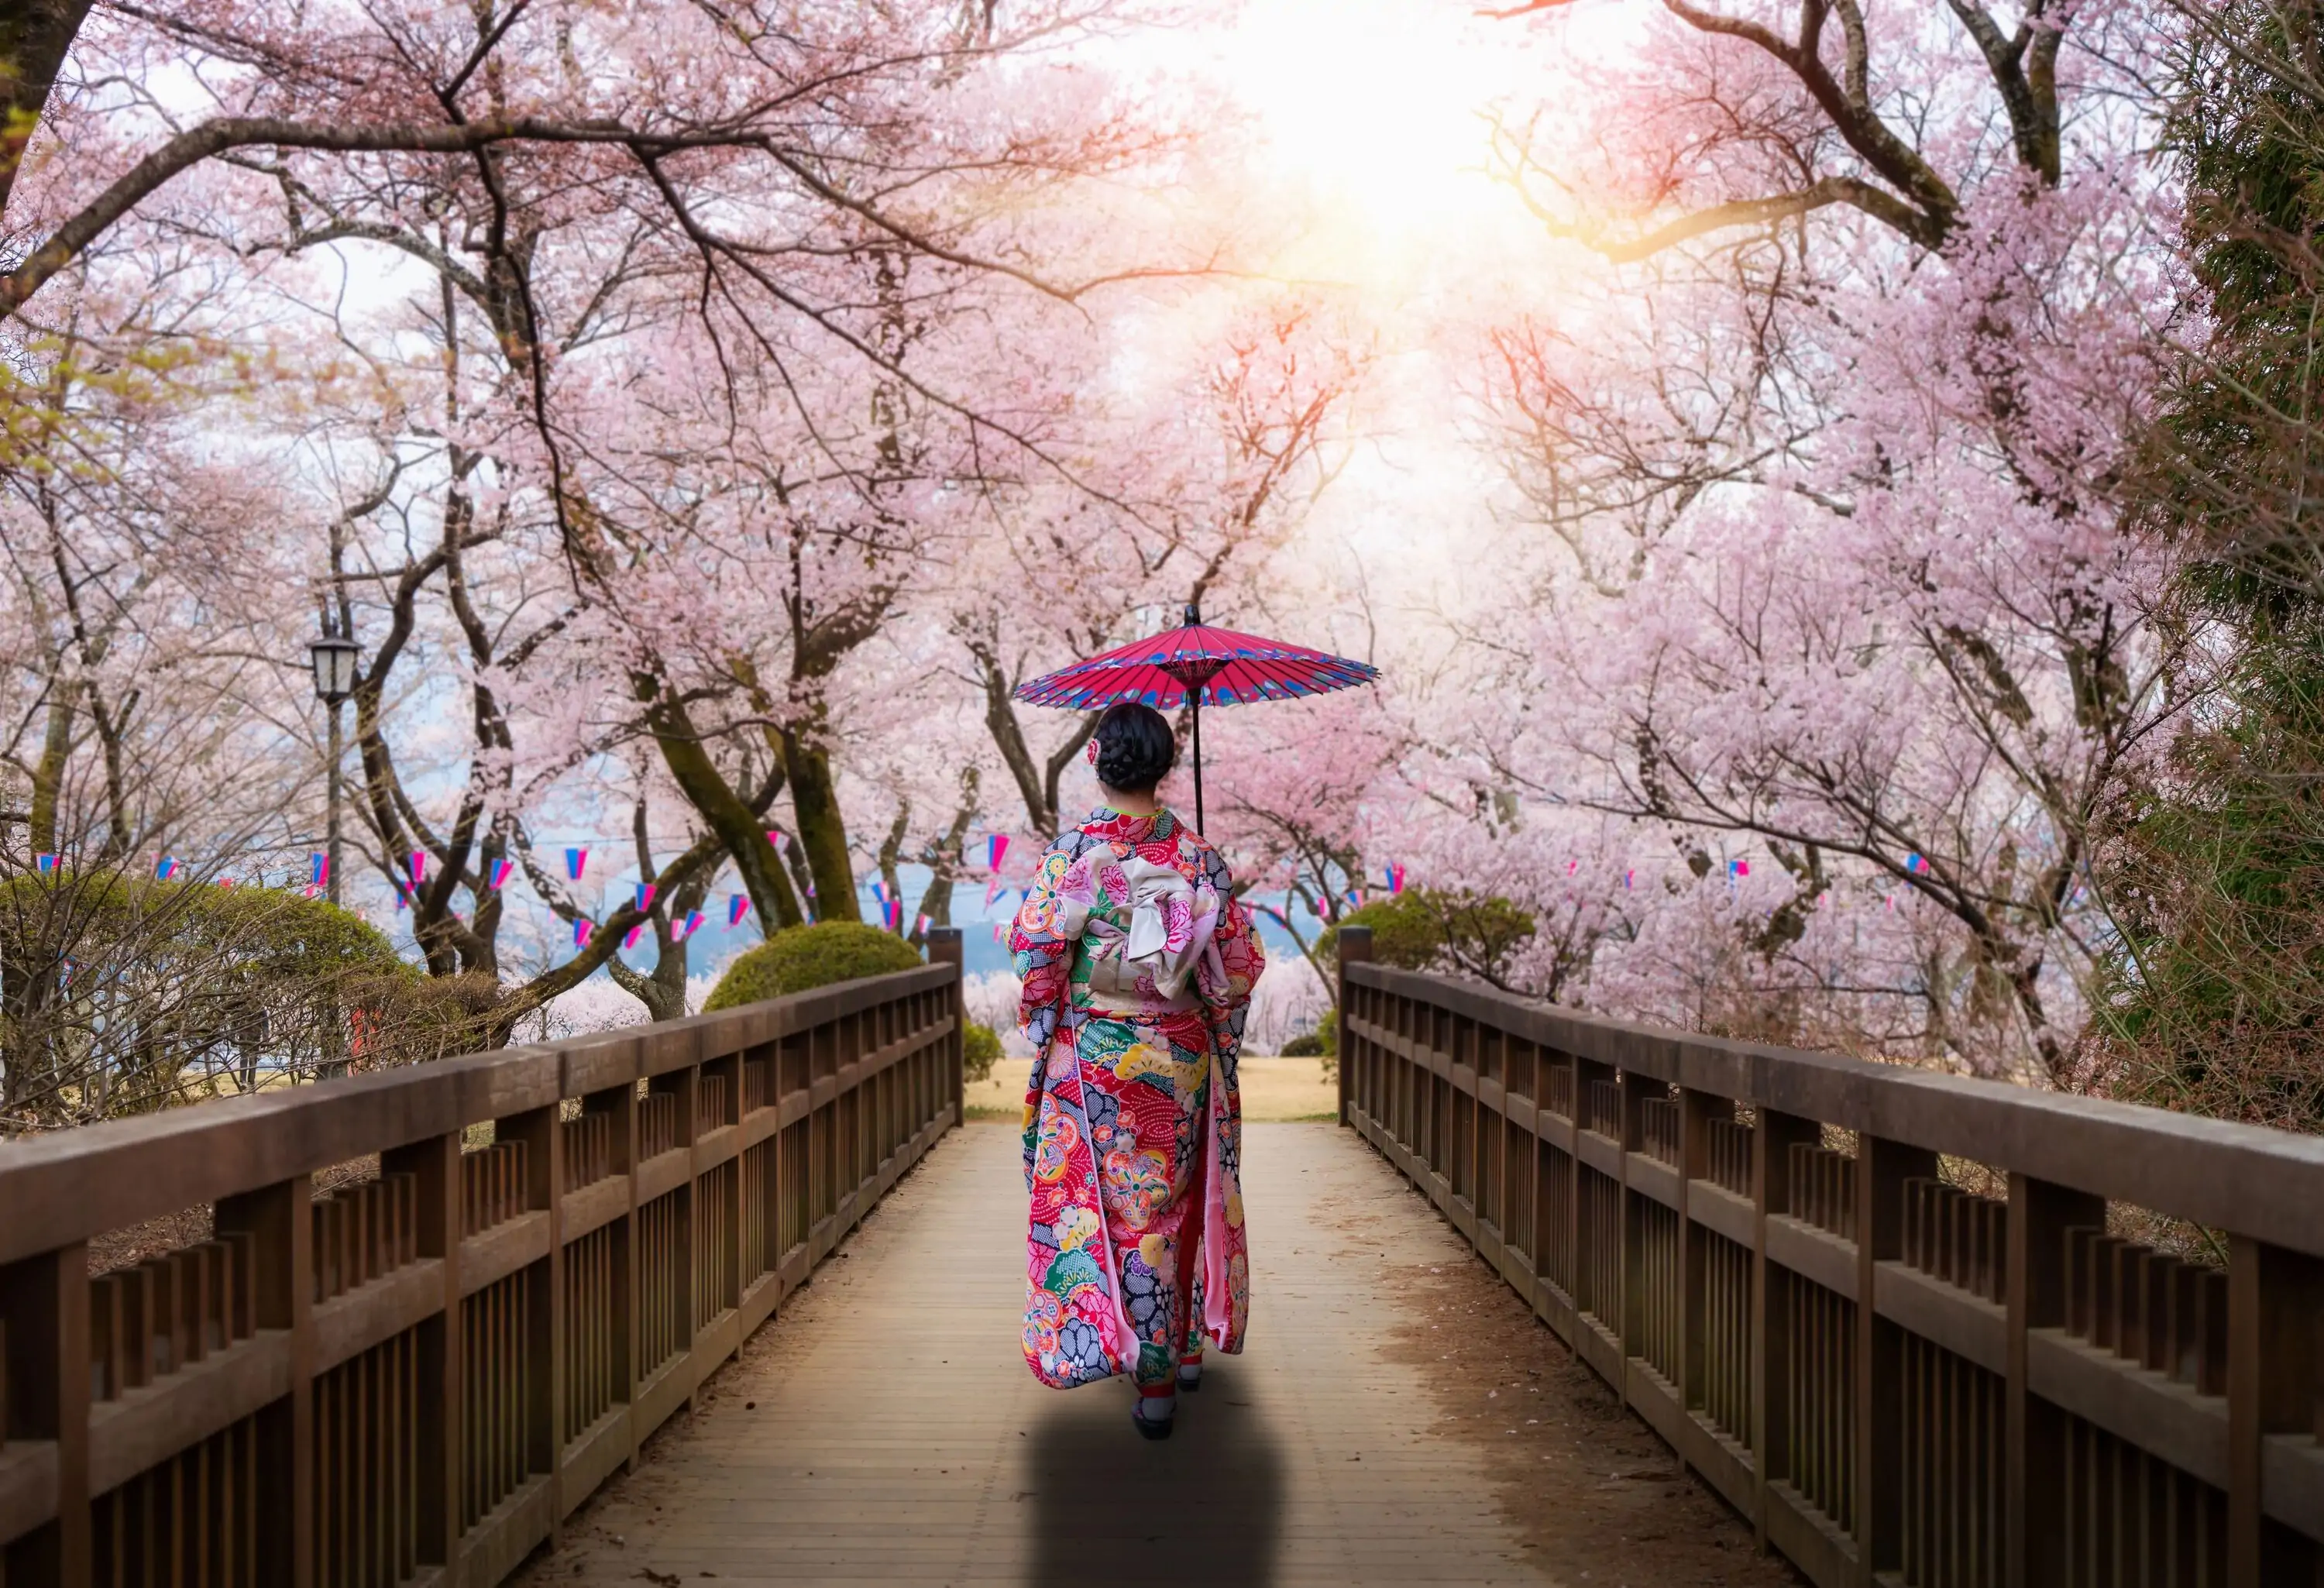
point(333, 658)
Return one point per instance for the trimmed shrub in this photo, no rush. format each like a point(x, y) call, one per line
point(798, 959)
point(980, 1050)
point(124, 994)
point(1323, 1042)
point(1427, 928)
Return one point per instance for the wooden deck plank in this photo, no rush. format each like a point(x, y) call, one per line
point(884, 1428)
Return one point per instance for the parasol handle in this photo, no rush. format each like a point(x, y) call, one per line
point(1194, 704)
point(1194, 710)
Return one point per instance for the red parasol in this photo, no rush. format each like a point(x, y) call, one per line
point(1198, 666)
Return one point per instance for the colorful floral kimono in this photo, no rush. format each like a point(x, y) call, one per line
point(1138, 964)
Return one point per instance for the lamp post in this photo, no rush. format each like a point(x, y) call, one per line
point(333, 658)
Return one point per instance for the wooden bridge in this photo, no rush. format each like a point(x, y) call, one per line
point(409, 1327)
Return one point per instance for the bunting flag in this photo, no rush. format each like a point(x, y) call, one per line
point(1916, 863)
point(810, 890)
point(312, 889)
point(1892, 901)
point(891, 911)
point(418, 863)
point(1629, 878)
point(993, 890)
point(781, 841)
point(581, 932)
point(319, 870)
point(1739, 868)
point(997, 936)
point(228, 883)
point(630, 938)
point(165, 866)
point(996, 850)
point(45, 861)
point(736, 907)
point(920, 928)
point(880, 889)
point(1355, 897)
point(1573, 866)
point(680, 931)
point(402, 894)
point(645, 892)
point(577, 860)
point(1395, 879)
point(501, 869)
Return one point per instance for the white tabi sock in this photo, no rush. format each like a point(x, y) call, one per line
point(1157, 1409)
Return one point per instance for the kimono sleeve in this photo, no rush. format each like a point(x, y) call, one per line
point(1043, 954)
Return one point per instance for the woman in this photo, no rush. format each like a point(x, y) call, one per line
point(1138, 964)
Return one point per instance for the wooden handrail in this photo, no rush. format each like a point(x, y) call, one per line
point(415, 1377)
point(1796, 1269)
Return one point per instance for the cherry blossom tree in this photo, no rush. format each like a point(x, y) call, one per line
point(1837, 567)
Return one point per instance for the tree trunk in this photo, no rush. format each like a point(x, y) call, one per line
point(822, 830)
point(740, 829)
point(48, 772)
point(945, 864)
point(34, 37)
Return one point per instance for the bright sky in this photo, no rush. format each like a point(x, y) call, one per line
point(1372, 117)
point(1371, 176)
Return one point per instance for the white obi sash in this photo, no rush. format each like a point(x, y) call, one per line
point(1153, 961)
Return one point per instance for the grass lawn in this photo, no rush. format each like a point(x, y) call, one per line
point(1272, 1089)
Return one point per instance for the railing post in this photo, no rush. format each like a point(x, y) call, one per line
point(619, 1105)
point(1882, 1167)
point(544, 1174)
point(1633, 1091)
point(944, 947)
point(44, 1300)
point(1696, 1111)
point(1771, 1326)
point(1355, 947)
point(2033, 1488)
point(434, 1162)
point(2275, 1299)
point(279, 1222)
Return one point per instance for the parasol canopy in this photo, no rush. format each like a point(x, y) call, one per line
point(1196, 665)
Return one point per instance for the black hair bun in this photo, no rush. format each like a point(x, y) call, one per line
point(1135, 748)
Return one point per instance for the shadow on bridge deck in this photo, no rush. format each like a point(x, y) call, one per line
point(1204, 1507)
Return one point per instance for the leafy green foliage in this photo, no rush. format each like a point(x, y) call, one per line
point(980, 1050)
point(2212, 866)
point(124, 994)
point(799, 958)
point(1430, 928)
point(2214, 1001)
point(1323, 1042)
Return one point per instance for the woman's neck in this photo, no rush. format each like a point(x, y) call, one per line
point(1129, 804)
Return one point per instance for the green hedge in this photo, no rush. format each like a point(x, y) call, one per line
point(1427, 929)
point(125, 993)
point(980, 1050)
point(798, 958)
point(1323, 1042)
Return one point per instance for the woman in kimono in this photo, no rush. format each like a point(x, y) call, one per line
point(1138, 964)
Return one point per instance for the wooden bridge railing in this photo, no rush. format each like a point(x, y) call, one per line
point(523, 1263)
point(1901, 1321)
